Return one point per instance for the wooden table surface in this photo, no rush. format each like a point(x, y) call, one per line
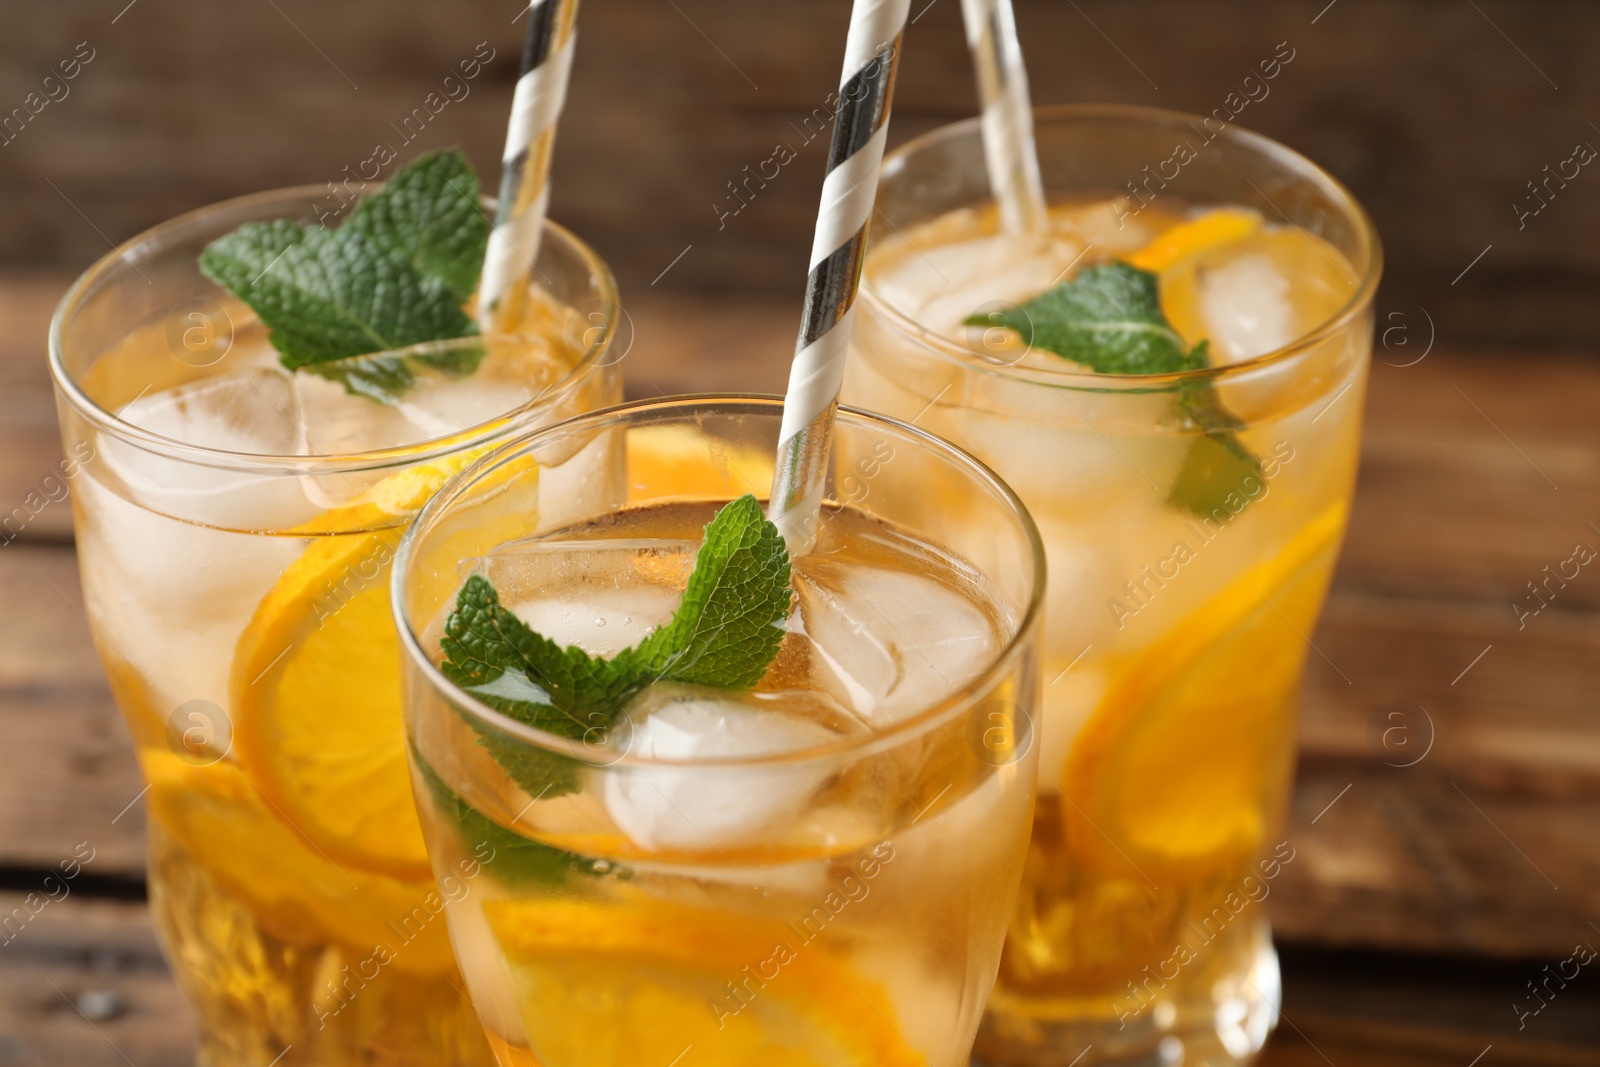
point(1422, 901)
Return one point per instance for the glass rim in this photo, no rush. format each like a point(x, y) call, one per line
point(935, 713)
point(67, 386)
point(1069, 376)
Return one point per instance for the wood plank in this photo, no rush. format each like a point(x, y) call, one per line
point(32, 492)
point(67, 771)
point(84, 983)
point(1343, 1008)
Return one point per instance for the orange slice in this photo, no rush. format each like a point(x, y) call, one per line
point(682, 461)
point(316, 681)
point(1187, 239)
point(298, 895)
point(638, 982)
point(1178, 770)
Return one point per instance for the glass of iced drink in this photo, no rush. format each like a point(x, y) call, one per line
point(1171, 377)
point(236, 525)
point(658, 847)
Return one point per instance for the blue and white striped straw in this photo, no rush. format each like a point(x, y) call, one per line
point(1008, 144)
point(525, 175)
point(872, 52)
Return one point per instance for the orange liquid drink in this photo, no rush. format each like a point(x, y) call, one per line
point(236, 525)
point(815, 868)
point(1191, 512)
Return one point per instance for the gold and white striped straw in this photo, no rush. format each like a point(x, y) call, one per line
point(525, 175)
point(872, 53)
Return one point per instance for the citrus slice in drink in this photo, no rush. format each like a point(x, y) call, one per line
point(1187, 239)
point(680, 460)
point(316, 681)
point(1181, 766)
point(296, 894)
point(639, 981)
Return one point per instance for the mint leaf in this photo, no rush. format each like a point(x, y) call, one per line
point(727, 630)
point(513, 859)
point(1217, 464)
point(724, 633)
point(395, 275)
point(1108, 318)
point(387, 378)
point(329, 294)
point(429, 215)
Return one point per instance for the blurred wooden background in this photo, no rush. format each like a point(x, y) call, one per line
point(1428, 897)
point(1436, 112)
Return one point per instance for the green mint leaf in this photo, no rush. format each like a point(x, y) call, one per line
point(1217, 464)
point(727, 630)
point(395, 275)
point(513, 859)
point(497, 658)
point(430, 216)
point(330, 294)
point(387, 378)
point(725, 633)
point(1108, 318)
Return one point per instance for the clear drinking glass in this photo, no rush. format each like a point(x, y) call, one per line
point(818, 872)
point(235, 530)
point(1191, 521)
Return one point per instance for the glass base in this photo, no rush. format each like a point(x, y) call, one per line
point(1222, 1026)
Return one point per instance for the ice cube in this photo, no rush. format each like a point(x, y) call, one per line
point(249, 412)
point(887, 642)
point(172, 597)
point(605, 622)
point(333, 420)
point(694, 808)
point(1245, 304)
point(602, 594)
point(1260, 294)
point(939, 285)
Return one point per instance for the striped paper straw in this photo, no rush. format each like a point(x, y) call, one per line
point(525, 174)
point(861, 127)
point(1008, 145)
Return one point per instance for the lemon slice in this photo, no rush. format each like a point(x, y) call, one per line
point(316, 683)
point(1187, 239)
point(1178, 770)
point(636, 983)
point(296, 894)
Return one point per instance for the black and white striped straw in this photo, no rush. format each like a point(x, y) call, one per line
point(861, 126)
point(1008, 144)
point(525, 175)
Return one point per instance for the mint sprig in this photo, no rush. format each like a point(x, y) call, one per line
point(724, 633)
point(396, 274)
point(1108, 318)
